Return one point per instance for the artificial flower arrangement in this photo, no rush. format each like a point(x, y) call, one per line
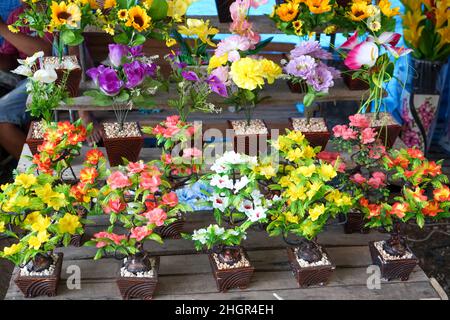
point(373, 61)
point(136, 196)
point(427, 29)
point(133, 22)
point(38, 208)
point(237, 201)
point(304, 200)
point(181, 157)
point(62, 143)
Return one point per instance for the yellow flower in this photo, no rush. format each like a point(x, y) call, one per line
point(327, 171)
point(330, 29)
point(41, 224)
point(359, 11)
point(268, 171)
point(287, 11)
point(69, 223)
point(290, 217)
point(32, 218)
point(283, 143)
point(92, 3)
point(316, 211)
point(284, 181)
point(271, 70)
point(109, 4)
point(13, 29)
point(442, 13)
point(296, 136)
point(170, 42)
point(57, 201)
point(294, 154)
point(147, 4)
point(296, 192)
point(177, 8)
point(65, 14)
point(413, 31)
point(35, 242)
point(2, 226)
point(306, 171)
point(385, 6)
point(44, 192)
point(444, 34)
point(216, 61)
point(247, 73)
point(298, 27)
point(374, 25)
point(138, 19)
point(21, 201)
point(9, 251)
point(109, 30)
point(318, 6)
point(308, 152)
point(122, 14)
point(25, 180)
point(344, 200)
point(199, 28)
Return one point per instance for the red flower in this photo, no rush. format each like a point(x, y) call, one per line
point(47, 147)
point(139, 233)
point(93, 156)
point(156, 216)
point(433, 169)
point(88, 175)
point(107, 235)
point(115, 205)
point(118, 180)
point(399, 209)
point(170, 199)
point(78, 191)
point(374, 210)
point(65, 127)
point(363, 202)
point(415, 153)
point(149, 181)
point(43, 165)
point(432, 209)
point(151, 202)
point(417, 194)
point(442, 194)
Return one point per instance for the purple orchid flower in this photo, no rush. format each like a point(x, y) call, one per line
point(93, 73)
point(109, 82)
point(150, 69)
point(217, 86)
point(190, 76)
point(137, 51)
point(135, 73)
point(117, 54)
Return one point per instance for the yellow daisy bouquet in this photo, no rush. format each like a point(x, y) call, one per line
point(131, 22)
point(39, 209)
point(302, 191)
point(67, 19)
point(427, 28)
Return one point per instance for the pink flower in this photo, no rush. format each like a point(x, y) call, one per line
point(139, 233)
point(111, 236)
point(158, 130)
point(170, 132)
point(377, 152)
point(359, 120)
point(172, 121)
point(368, 135)
point(256, 3)
point(149, 181)
point(358, 178)
point(118, 180)
point(166, 158)
point(240, 25)
point(344, 132)
point(351, 42)
point(136, 167)
point(232, 45)
point(192, 153)
point(222, 73)
point(114, 205)
point(379, 175)
point(156, 216)
point(170, 199)
point(377, 180)
point(364, 54)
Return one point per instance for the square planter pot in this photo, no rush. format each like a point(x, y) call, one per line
point(33, 286)
point(250, 144)
point(75, 74)
point(139, 287)
point(315, 139)
point(388, 132)
point(173, 230)
point(123, 147)
point(354, 84)
point(392, 269)
point(355, 223)
point(309, 276)
point(233, 277)
point(33, 142)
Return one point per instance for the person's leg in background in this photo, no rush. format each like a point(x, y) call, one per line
point(12, 117)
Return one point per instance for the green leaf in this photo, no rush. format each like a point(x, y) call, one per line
point(158, 10)
point(140, 39)
point(420, 220)
point(308, 99)
point(67, 36)
point(121, 38)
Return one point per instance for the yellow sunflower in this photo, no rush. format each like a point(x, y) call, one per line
point(318, 6)
point(359, 11)
point(138, 19)
point(109, 4)
point(122, 14)
point(65, 14)
point(287, 11)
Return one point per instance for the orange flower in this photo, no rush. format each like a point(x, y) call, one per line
point(374, 210)
point(442, 194)
point(93, 156)
point(53, 136)
point(88, 175)
point(318, 6)
point(65, 127)
point(433, 169)
point(78, 191)
point(47, 147)
point(417, 194)
point(287, 11)
point(415, 153)
point(363, 202)
point(432, 209)
point(399, 209)
point(398, 161)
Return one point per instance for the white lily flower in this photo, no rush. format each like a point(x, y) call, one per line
point(23, 71)
point(256, 214)
point(245, 206)
point(241, 183)
point(219, 202)
point(223, 182)
point(45, 75)
point(29, 61)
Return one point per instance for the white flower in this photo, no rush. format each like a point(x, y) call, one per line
point(23, 71)
point(45, 75)
point(218, 167)
point(221, 182)
point(199, 235)
point(219, 202)
point(256, 196)
point(241, 183)
point(245, 206)
point(256, 214)
point(214, 228)
point(232, 157)
point(29, 61)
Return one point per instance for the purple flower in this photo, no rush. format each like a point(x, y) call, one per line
point(117, 53)
point(135, 73)
point(150, 69)
point(334, 72)
point(311, 48)
point(301, 66)
point(93, 73)
point(137, 51)
point(109, 82)
point(321, 79)
point(190, 75)
point(217, 86)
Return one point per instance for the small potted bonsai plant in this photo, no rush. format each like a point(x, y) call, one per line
point(37, 208)
point(307, 200)
point(424, 198)
point(130, 81)
point(137, 197)
point(45, 95)
point(306, 70)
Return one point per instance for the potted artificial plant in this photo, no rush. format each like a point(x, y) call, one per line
point(306, 201)
point(39, 211)
point(137, 197)
point(306, 69)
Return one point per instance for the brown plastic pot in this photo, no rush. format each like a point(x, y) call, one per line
point(355, 223)
point(245, 143)
point(315, 139)
point(33, 143)
point(354, 84)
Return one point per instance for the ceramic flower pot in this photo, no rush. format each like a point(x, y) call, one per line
point(39, 285)
point(315, 138)
point(223, 10)
point(354, 84)
point(250, 143)
point(31, 140)
point(69, 64)
point(231, 268)
point(128, 147)
point(139, 287)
